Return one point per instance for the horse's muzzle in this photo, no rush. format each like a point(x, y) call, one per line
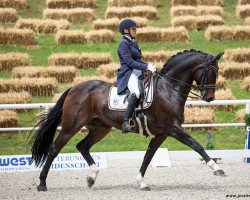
point(209, 99)
point(208, 95)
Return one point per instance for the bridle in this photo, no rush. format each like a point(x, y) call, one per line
point(203, 87)
point(204, 77)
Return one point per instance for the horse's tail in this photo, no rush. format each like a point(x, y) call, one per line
point(44, 136)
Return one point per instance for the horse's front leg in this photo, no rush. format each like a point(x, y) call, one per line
point(181, 135)
point(154, 144)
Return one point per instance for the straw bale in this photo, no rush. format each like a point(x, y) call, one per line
point(35, 86)
point(148, 12)
point(17, 36)
point(188, 21)
point(157, 56)
point(247, 21)
point(56, 97)
point(219, 33)
point(198, 115)
point(130, 3)
point(113, 23)
point(243, 11)
point(242, 33)
point(18, 4)
point(149, 34)
point(44, 26)
point(155, 34)
point(81, 79)
point(243, 2)
point(72, 15)
point(234, 70)
point(7, 15)
point(197, 2)
point(10, 60)
point(246, 83)
point(108, 70)
point(184, 2)
point(62, 74)
point(83, 60)
point(221, 83)
point(70, 37)
point(8, 118)
point(237, 55)
point(100, 36)
point(118, 12)
point(224, 95)
point(210, 2)
point(178, 34)
point(177, 11)
point(70, 3)
point(240, 115)
point(79, 36)
point(159, 65)
point(209, 10)
point(141, 21)
point(15, 97)
point(208, 20)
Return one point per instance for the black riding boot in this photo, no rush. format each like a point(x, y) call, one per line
point(128, 114)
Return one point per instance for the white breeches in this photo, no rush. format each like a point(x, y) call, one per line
point(133, 82)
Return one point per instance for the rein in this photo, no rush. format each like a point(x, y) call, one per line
point(204, 77)
point(181, 82)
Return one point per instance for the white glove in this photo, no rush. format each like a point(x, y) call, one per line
point(151, 67)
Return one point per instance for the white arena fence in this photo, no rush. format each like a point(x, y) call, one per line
point(48, 106)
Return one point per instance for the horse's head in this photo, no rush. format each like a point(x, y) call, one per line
point(205, 76)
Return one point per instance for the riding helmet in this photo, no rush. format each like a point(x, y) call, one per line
point(127, 23)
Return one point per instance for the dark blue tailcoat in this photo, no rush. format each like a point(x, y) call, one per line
point(130, 58)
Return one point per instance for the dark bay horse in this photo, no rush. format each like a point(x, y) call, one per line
point(86, 104)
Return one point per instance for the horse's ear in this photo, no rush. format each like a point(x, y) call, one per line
point(217, 57)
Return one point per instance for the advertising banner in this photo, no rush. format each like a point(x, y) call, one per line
point(67, 161)
point(247, 144)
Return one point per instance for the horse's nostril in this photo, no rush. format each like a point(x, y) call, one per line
point(210, 99)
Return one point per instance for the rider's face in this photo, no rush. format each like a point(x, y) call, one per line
point(132, 31)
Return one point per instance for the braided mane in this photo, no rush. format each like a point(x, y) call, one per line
point(176, 56)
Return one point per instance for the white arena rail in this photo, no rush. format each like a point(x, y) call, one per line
point(47, 106)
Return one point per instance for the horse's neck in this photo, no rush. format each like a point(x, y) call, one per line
point(182, 73)
point(181, 81)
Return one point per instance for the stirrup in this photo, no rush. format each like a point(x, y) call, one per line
point(126, 127)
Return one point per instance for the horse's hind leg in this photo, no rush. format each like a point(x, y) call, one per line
point(71, 124)
point(96, 133)
point(54, 150)
point(181, 135)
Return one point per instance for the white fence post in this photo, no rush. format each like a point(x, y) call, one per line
point(248, 108)
point(46, 110)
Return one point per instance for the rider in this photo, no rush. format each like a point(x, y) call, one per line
point(131, 67)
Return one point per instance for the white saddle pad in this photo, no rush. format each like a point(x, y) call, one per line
point(116, 102)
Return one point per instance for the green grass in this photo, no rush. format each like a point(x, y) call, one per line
point(225, 138)
point(16, 143)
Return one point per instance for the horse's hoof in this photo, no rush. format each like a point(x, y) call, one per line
point(90, 181)
point(145, 188)
point(219, 172)
point(41, 188)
